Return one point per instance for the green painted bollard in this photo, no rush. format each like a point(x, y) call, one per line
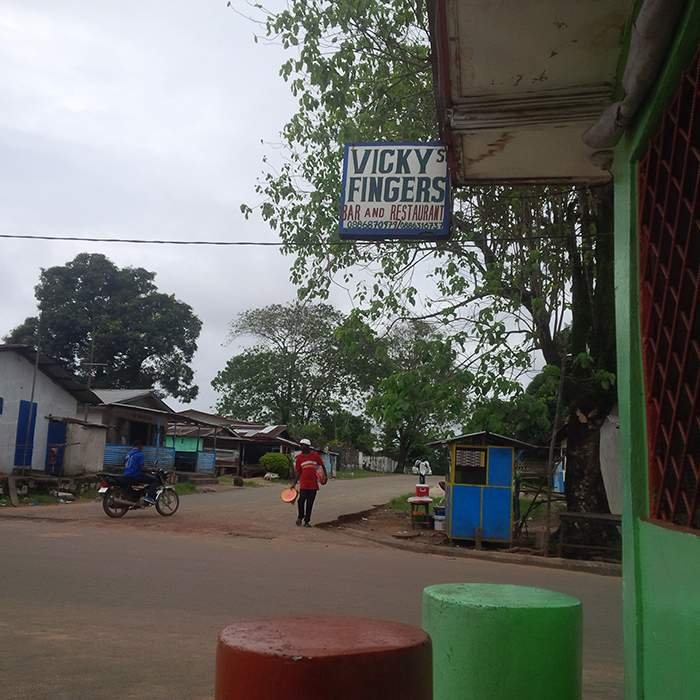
point(494, 642)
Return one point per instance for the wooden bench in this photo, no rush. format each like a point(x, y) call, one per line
point(604, 519)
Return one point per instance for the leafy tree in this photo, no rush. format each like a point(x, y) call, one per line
point(415, 383)
point(113, 323)
point(346, 429)
point(523, 261)
point(339, 428)
point(523, 417)
point(291, 375)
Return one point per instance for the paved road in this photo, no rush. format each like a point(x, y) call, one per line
point(97, 609)
point(254, 511)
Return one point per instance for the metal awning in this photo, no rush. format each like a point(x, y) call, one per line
point(519, 83)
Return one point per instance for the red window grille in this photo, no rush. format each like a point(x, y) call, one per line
point(669, 237)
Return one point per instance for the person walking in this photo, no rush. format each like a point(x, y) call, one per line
point(306, 468)
point(423, 470)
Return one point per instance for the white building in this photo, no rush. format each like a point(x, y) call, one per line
point(43, 432)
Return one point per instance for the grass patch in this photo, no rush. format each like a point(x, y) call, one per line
point(539, 513)
point(343, 474)
point(249, 483)
point(400, 504)
point(184, 488)
point(42, 499)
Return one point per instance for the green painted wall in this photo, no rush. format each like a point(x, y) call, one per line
point(661, 584)
point(185, 444)
point(670, 602)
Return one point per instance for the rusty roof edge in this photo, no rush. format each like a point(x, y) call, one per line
point(440, 60)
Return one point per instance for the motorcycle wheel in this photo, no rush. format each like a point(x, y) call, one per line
point(110, 508)
point(167, 502)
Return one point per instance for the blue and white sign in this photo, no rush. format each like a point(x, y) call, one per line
point(395, 190)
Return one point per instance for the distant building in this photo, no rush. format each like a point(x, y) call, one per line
point(40, 428)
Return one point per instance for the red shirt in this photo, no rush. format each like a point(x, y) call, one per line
point(305, 466)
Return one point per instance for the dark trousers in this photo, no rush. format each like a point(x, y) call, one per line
point(306, 504)
point(143, 478)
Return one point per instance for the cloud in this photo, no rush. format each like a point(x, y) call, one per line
point(140, 120)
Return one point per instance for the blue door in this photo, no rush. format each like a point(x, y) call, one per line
point(497, 513)
point(500, 466)
point(24, 441)
point(55, 447)
point(465, 511)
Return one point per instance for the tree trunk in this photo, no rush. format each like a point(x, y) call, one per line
point(404, 444)
point(585, 489)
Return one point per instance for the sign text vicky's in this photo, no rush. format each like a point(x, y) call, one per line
point(395, 190)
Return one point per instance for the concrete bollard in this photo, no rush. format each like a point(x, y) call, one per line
point(323, 658)
point(497, 642)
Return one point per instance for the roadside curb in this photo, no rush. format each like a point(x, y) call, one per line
point(589, 567)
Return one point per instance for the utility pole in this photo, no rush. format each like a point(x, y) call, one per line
point(91, 364)
point(31, 397)
point(550, 456)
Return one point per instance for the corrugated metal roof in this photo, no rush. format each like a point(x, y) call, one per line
point(484, 434)
point(208, 418)
point(121, 395)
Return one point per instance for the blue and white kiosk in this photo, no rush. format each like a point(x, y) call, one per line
point(480, 486)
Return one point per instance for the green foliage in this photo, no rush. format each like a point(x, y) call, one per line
point(400, 504)
point(291, 375)
point(523, 417)
point(522, 261)
point(311, 431)
point(345, 429)
point(278, 463)
point(92, 310)
point(423, 389)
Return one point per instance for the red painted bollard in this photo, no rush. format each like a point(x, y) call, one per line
point(323, 658)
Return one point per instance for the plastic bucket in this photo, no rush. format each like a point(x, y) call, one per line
point(422, 490)
point(439, 521)
point(439, 511)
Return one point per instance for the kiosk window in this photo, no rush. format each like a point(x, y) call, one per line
point(470, 465)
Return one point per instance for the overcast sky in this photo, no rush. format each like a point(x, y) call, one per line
point(142, 119)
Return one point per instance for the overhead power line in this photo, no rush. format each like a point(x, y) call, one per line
point(170, 241)
point(278, 244)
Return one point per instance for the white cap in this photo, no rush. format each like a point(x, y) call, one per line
point(305, 441)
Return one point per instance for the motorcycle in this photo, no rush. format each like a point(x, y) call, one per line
point(119, 496)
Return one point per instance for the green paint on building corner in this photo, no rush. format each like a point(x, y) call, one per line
point(661, 565)
point(503, 642)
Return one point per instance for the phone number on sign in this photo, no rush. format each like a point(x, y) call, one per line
point(406, 225)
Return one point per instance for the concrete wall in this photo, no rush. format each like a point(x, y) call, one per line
point(661, 563)
point(16, 385)
point(85, 449)
point(377, 463)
